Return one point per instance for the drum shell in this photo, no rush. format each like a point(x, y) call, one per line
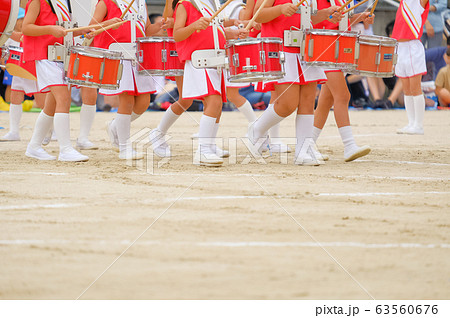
point(377, 56)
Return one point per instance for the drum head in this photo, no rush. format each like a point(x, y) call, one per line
point(155, 39)
point(376, 40)
point(9, 10)
point(95, 52)
point(16, 70)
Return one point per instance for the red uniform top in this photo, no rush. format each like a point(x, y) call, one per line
point(276, 27)
point(37, 46)
point(325, 24)
point(409, 20)
point(202, 40)
point(121, 35)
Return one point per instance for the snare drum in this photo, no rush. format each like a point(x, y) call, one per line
point(330, 48)
point(377, 56)
point(255, 59)
point(158, 56)
point(9, 10)
point(16, 66)
point(94, 67)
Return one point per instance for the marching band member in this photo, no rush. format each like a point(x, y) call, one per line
point(134, 90)
point(192, 31)
point(335, 91)
point(40, 31)
point(296, 90)
point(409, 21)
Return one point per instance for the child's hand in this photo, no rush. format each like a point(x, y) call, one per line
point(288, 9)
point(367, 18)
point(334, 13)
point(242, 33)
point(202, 23)
point(112, 21)
point(57, 31)
point(167, 23)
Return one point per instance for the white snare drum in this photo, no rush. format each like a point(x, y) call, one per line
point(255, 60)
point(94, 67)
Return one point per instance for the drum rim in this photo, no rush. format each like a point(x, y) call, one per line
point(155, 39)
point(350, 34)
point(9, 27)
point(88, 51)
point(374, 74)
point(16, 48)
point(168, 72)
point(366, 39)
point(238, 42)
point(239, 78)
point(94, 84)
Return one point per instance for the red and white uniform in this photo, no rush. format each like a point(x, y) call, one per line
point(408, 28)
point(200, 82)
point(48, 73)
point(297, 72)
point(131, 82)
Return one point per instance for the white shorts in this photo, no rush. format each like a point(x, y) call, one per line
point(24, 85)
point(201, 82)
point(411, 59)
point(131, 82)
point(297, 72)
point(49, 74)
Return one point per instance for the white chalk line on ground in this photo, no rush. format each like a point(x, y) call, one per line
point(232, 244)
point(220, 175)
point(40, 206)
point(371, 194)
point(33, 172)
point(406, 162)
point(402, 178)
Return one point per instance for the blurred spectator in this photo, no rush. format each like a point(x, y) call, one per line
point(435, 59)
point(434, 26)
point(443, 82)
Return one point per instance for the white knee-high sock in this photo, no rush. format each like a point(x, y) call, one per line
point(347, 138)
point(267, 120)
point(410, 112)
point(61, 124)
point(122, 124)
point(168, 119)
point(15, 113)
point(248, 112)
point(206, 131)
point(134, 116)
point(87, 115)
point(42, 126)
point(419, 110)
point(316, 133)
point(303, 129)
point(274, 131)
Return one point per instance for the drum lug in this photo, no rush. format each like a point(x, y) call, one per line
point(102, 71)
point(336, 50)
point(311, 48)
point(164, 55)
point(357, 51)
point(282, 57)
point(262, 57)
point(141, 56)
point(378, 58)
point(394, 59)
point(76, 65)
point(119, 72)
point(236, 59)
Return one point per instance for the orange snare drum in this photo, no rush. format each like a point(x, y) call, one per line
point(16, 66)
point(330, 48)
point(94, 67)
point(377, 56)
point(9, 10)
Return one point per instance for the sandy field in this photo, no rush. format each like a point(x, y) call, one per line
point(376, 228)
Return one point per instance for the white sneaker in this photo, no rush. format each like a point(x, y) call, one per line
point(71, 155)
point(112, 136)
point(86, 145)
point(158, 140)
point(10, 137)
point(220, 152)
point(207, 157)
point(251, 137)
point(318, 155)
point(403, 130)
point(414, 131)
point(306, 160)
point(356, 153)
point(280, 148)
point(130, 155)
point(194, 136)
point(39, 154)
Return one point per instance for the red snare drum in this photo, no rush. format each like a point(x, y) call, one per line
point(330, 49)
point(158, 56)
point(377, 56)
point(9, 10)
point(16, 66)
point(254, 60)
point(94, 67)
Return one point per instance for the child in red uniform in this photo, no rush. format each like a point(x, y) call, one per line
point(335, 93)
point(409, 21)
point(192, 31)
point(40, 31)
point(296, 90)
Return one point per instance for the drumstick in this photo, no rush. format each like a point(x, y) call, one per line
point(249, 25)
point(373, 8)
point(220, 10)
point(95, 26)
point(299, 4)
point(126, 10)
point(97, 32)
point(341, 7)
point(355, 6)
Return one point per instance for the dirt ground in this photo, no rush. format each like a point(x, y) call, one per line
point(378, 227)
